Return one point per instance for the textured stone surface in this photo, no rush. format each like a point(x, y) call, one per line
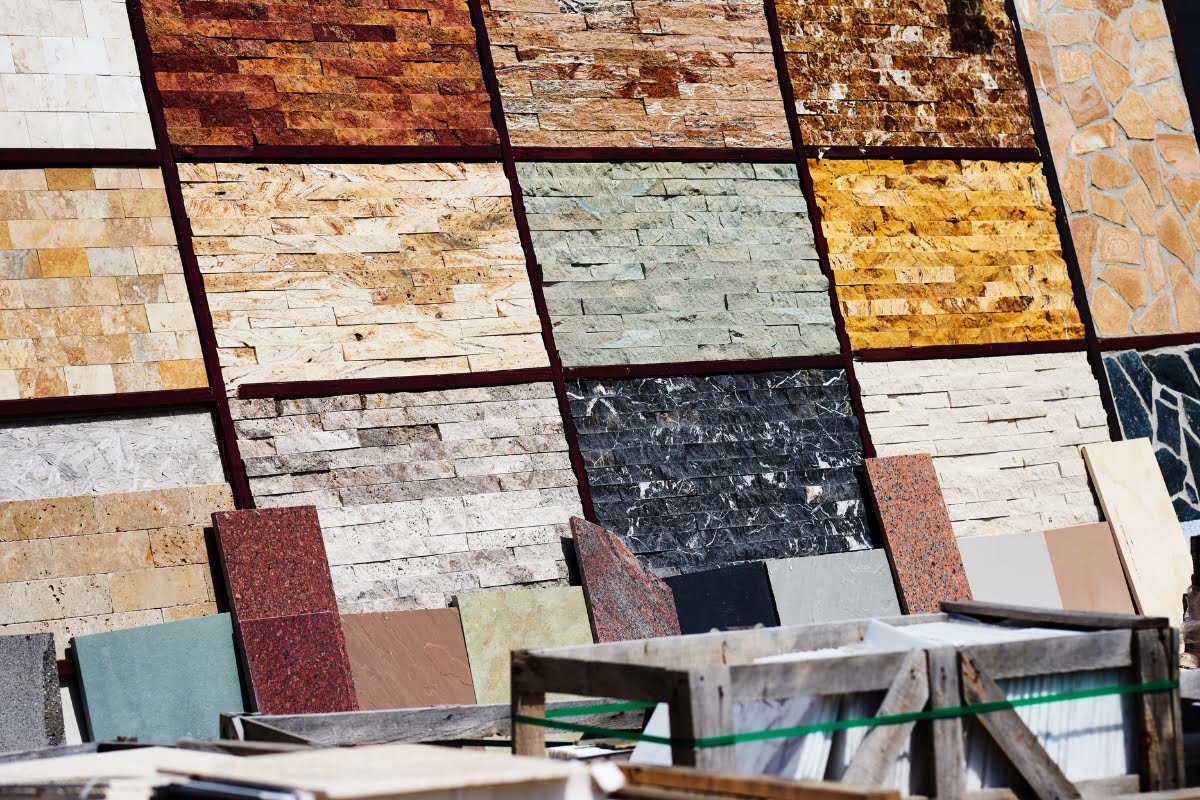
point(91, 285)
point(725, 598)
point(496, 623)
point(934, 74)
point(31, 715)
point(320, 272)
point(833, 588)
point(1088, 569)
point(611, 74)
point(668, 262)
point(1010, 568)
point(944, 252)
point(160, 683)
point(706, 471)
point(624, 599)
point(1157, 395)
point(916, 532)
point(1124, 148)
point(69, 76)
point(297, 664)
point(1004, 433)
point(77, 565)
point(420, 494)
point(408, 659)
point(319, 72)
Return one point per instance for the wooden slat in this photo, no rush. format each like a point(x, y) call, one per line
point(1079, 653)
point(869, 672)
point(756, 786)
point(1050, 618)
point(1162, 764)
point(605, 679)
point(880, 748)
point(949, 758)
point(700, 708)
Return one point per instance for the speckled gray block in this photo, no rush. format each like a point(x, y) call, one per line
point(833, 587)
point(30, 705)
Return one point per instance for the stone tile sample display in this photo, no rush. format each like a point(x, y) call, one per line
point(496, 623)
point(944, 252)
point(331, 271)
point(699, 472)
point(160, 683)
point(725, 598)
point(80, 565)
point(669, 262)
point(69, 76)
point(1157, 395)
point(1124, 147)
point(421, 494)
point(91, 286)
point(1012, 568)
point(408, 659)
point(297, 664)
point(31, 714)
point(1088, 569)
point(833, 588)
point(680, 74)
point(916, 532)
point(319, 72)
point(1154, 553)
point(905, 74)
point(625, 600)
point(1004, 433)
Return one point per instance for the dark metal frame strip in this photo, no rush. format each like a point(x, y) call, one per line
point(294, 390)
point(106, 403)
point(333, 154)
point(39, 157)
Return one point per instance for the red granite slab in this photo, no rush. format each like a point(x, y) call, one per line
point(274, 562)
point(297, 664)
point(917, 533)
point(625, 600)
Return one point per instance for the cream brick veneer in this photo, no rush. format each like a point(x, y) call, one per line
point(1004, 434)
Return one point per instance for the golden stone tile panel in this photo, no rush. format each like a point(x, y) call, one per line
point(944, 252)
point(92, 294)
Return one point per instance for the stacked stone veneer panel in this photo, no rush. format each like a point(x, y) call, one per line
point(321, 272)
point(617, 74)
point(420, 495)
point(92, 294)
point(668, 262)
point(944, 252)
point(1125, 150)
point(319, 72)
point(69, 76)
point(695, 473)
point(1005, 434)
point(933, 74)
point(1157, 396)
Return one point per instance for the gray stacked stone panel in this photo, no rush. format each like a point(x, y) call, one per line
point(31, 715)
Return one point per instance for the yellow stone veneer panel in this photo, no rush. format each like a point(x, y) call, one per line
point(944, 252)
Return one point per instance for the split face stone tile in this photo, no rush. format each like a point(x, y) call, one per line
point(672, 262)
point(32, 715)
point(833, 588)
point(944, 252)
point(723, 599)
point(297, 664)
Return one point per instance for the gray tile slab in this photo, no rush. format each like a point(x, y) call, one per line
point(833, 587)
point(1011, 568)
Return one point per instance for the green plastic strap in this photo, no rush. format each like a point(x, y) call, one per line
point(827, 727)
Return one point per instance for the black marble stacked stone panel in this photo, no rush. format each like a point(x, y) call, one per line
point(699, 472)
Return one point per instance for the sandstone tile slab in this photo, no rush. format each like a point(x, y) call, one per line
point(1010, 568)
point(297, 664)
point(722, 599)
point(834, 587)
point(1088, 569)
point(31, 714)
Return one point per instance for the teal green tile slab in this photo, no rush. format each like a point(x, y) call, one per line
point(161, 682)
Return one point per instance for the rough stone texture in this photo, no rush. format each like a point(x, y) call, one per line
point(101, 455)
point(612, 74)
point(1157, 395)
point(422, 494)
point(31, 714)
point(725, 598)
point(69, 76)
point(319, 72)
point(297, 664)
point(1125, 151)
point(669, 262)
point(322, 272)
point(833, 588)
point(78, 565)
point(944, 252)
point(695, 473)
point(91, 285)
point(911, 73)
point(1004, 433)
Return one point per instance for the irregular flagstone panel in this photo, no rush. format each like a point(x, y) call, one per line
point(297, 664)
point(32, 715)
point(905, 74)
point(944, 252)
point(92, 294)
point(1004, 433)
point(670, 262)
point(319, 72)
point(420, 494)
point(69, 77)
point(1124, 146)
point(725, 598)
point(833, 588)
point(700, 472)
point(608, 74)
point(331, 271)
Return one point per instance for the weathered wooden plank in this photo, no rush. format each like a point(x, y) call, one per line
point(583, 676)
point(528, 740)
point(867, 672)
point(880, 748)
point(757, 786)
point(1078, 653)
point(703, 707)
point(949, 758)
point(1156, 658)
point(1050, 618)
